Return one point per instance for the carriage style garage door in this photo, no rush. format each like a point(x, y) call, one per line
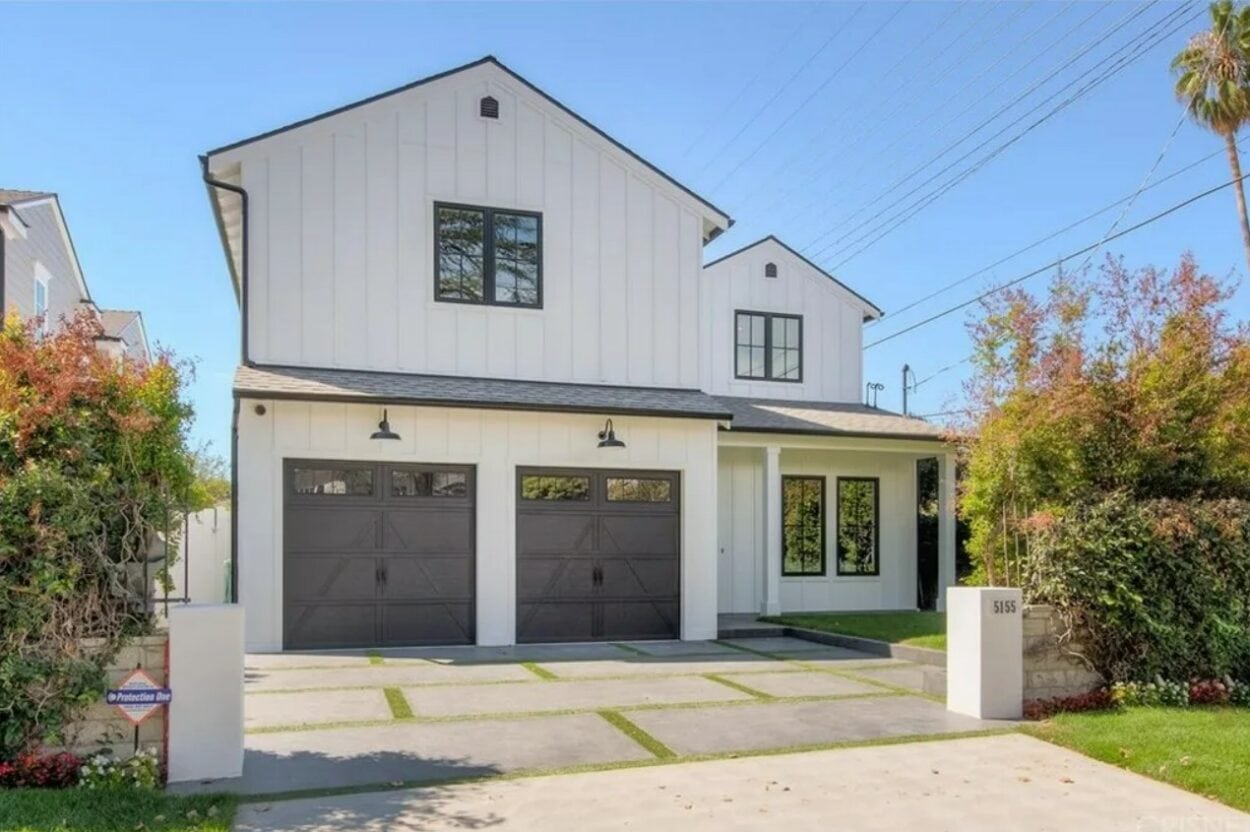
point(598, 555)
point(377, 554)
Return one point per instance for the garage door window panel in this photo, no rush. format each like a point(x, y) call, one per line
point(555, 488)
point(406, 483)
point(639, 490)
point(333, 482)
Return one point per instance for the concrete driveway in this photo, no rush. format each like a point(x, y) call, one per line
point(1000, 783)
point(344, 721)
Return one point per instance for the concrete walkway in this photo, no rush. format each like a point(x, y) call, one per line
point(984, 784)
point(318, 721)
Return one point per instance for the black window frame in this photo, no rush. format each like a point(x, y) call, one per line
point(824, 524)
point(768, 345)
point(488, 255)
point(876, 528)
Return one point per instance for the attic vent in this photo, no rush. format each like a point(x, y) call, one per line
point(488, 107)
point(770, 270)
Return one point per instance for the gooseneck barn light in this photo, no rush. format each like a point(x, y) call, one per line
point(384, 429)
point(607, 437)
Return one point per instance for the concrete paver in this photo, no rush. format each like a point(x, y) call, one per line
point(555, 696)
point(312, 707)
point(287, 661)
point(718, 729)
point(416, 673)
point(408, 751)
point(910, 676)
point(517, 653)
point(643, 666)
point(986, 784)
point(680, 648)
point(811, 683)
point(778, 644)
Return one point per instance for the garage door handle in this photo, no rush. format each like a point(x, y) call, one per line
point(596, 576)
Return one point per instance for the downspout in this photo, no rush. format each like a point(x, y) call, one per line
point(3, 312)
point(210, 183)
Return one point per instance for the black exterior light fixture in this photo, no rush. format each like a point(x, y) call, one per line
point(384, 429)
point(607, 437)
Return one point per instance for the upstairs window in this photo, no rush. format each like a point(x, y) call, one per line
point(768, 346)
point(42, 279)
point(487, 256)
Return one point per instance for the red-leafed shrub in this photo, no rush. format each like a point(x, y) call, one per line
point(93, 457)
point(1208, 692)
point(46, 771)
point(1094, 700)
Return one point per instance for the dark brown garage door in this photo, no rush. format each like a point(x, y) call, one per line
point(377, 554)
point(598, 555)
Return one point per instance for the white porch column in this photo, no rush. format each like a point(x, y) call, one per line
point(946, 527)
point(771, 600)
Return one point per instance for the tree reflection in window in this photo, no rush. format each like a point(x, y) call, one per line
point(461, 253)
point(858, 521)
point(803, 525)
point(488, 256)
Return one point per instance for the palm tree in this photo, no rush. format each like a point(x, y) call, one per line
point(1213, 79)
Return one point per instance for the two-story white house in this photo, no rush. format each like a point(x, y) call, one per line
point(490, 392)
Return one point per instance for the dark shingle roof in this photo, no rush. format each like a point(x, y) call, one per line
point(320, 384)
point(13, 196)
point(824, 419)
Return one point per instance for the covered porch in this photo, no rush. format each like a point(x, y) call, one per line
point(832, 507)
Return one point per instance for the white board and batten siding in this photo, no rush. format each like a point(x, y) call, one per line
point(741, 531)
point(341, 240)
point(496, 442)
point(832, 325)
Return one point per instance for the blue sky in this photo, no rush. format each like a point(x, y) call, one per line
point(109, 105)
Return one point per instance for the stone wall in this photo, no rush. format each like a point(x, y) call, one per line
point(103, 727)
point(1051, 670)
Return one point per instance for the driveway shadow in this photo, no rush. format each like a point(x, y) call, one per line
point(408, 809)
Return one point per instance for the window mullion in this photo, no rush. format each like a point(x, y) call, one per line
point(488, 257)
point(768, 346)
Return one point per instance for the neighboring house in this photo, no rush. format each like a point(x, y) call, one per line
point(40, 277)
point(490, 393)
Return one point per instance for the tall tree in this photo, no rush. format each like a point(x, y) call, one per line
point(1213, 79)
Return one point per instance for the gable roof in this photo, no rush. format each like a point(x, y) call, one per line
point(493, 61)
point(876, 310)
point(116, 321)
point(13, 198)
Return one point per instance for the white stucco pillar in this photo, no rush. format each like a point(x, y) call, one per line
point(771, 600)
point(946, 527)
point(206, 681)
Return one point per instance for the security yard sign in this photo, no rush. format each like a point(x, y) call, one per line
point(138, 696)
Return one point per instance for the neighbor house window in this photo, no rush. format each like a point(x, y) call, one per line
point(859, 522)
point(42, 279)
point(429, 484)
point(802, 525)
point(768, 346)
point(487, 256)
point(350, 482)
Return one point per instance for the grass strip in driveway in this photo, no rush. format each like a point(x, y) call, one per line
point(539, 671)
point(400, 709)
point(738, 686)
point(375, 658)
point(631, 649)
point(619, 721)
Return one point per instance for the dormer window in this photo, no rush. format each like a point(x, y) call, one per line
point(770, 270)
point(768, 347)
point(488, 107)
point(487, 256)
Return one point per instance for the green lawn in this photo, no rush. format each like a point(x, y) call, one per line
point(80, 810)
point(918, 629)
point(1203, 750)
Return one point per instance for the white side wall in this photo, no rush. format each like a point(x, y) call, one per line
point(341, 242)
point(832, 326)
point(742, 543)
point(497, 442)
point(206, 550)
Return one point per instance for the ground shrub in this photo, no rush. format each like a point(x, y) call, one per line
point(93, 456)
point(1156, 694)
point(104, 771)
point(35, 770)
point(1099, 699)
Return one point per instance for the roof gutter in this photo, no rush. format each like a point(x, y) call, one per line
point(240, 279)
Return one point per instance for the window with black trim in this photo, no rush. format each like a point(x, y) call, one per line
point(859, 522)
point(429, 483)
point(768, 346)
point(487, 256)
point(802, 525)
point(555, 487)
point(639, 490)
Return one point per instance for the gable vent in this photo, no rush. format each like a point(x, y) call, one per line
point(488, 107)
point(770, 270)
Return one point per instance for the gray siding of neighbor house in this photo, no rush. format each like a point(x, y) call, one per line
point(43, 244)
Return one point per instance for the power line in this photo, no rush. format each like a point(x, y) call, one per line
point(1101, 38)
point(1057, 263)
point(884, 228)
point(828, 80)
point(802, 152)
point(923, 121)
point(781, 89)
point(785, 44)
point(1051, 236)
